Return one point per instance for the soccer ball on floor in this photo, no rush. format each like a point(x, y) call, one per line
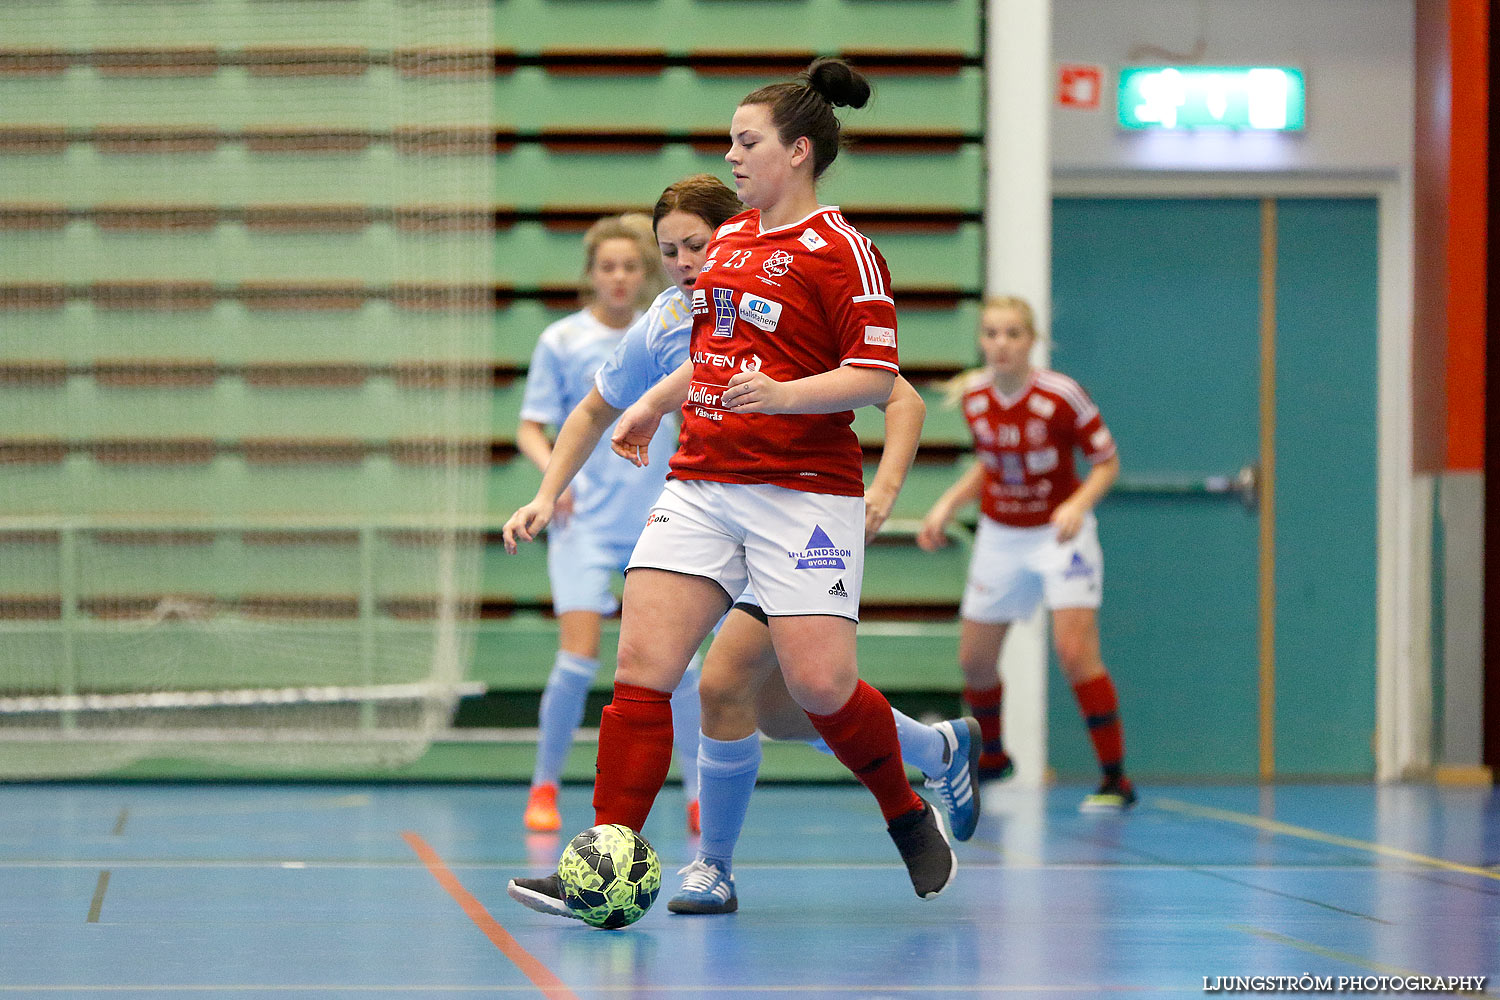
point(610, 876)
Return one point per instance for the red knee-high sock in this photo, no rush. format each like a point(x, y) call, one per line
point(635, 751)
point(862, 735)
point(985, 704)
point(1101, 712)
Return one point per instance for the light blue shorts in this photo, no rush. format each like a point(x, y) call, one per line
point(582, 565)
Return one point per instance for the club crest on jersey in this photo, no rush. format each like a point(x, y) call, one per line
point(812, 240)
point(723, 312)
point(778, 263)
point(820, 552)
point(700, 302)
point(1041, 406)
point(761, 313)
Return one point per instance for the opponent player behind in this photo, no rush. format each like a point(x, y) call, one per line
point(794, 328)
point(1038, 540)
point(600, 516)
point(741, 687)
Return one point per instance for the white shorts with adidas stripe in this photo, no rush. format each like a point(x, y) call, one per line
point(1012, 570)
point(802, 553)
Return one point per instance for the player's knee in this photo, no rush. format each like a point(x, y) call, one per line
point(643, 665)
point(720, 694)
point(823, 695)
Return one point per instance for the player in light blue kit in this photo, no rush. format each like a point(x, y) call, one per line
point(655, 346)
point(599, 517)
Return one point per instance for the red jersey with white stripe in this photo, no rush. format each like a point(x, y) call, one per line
point(794, 301)
point(1025, 443)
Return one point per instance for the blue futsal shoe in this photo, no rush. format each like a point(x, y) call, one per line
point(958, 785)
point(706, 888)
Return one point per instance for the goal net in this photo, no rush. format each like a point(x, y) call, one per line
point(245, 278)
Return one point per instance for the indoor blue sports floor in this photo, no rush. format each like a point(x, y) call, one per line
point(299, 891)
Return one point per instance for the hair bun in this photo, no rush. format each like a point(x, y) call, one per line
point(839, 84)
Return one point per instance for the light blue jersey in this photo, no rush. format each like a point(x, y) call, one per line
point(611, 496)
point(654, 347)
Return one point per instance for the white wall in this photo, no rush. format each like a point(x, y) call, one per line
point(1356, 56)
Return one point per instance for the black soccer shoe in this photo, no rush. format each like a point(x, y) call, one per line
point(544, 895)
point(923, 843)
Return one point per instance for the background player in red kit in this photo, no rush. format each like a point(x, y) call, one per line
point(1038, 540)
point(793, 328)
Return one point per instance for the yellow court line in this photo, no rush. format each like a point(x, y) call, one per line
point(1306, 833)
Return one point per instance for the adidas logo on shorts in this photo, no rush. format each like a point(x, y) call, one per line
point(837, 590)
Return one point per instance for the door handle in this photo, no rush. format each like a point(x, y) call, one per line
point(1244, 485)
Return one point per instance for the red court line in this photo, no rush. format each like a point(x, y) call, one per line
point(541, 976)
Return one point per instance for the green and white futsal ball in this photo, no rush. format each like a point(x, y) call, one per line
point(610, 876)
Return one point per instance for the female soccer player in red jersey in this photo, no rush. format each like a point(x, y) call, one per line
point(743, 693)
point(1038, 541)
point(793, 328)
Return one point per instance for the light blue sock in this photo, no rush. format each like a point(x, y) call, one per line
point(687, 714)
point(921, 745)
point(561, 712)
point(727, 770)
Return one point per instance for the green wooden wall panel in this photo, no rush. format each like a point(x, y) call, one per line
point(155, 23)
point(231, 99)
point(942, 425)
point(825, 25)
point(525, 176)
point(377, 256)
point(518, 324)
point(936, 337)
point(378, 333)
point(233, 175)
point(530, 176)
point(681, 99)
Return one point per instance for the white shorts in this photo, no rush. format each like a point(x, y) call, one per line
point(581, 566)
point(1014, 569)
point(803, 553)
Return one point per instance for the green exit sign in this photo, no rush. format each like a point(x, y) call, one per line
point(1262, 98)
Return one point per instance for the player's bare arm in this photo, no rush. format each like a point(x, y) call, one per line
point(904, 414)
point(575, 442)
point(1068, 518)
point(846, 388)
point(933, 535)
point(632, 437)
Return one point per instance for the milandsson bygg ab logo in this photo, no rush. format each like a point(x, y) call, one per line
point(820, 552)
point(1078, 567)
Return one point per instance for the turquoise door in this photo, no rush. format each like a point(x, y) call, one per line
point(1156, 311)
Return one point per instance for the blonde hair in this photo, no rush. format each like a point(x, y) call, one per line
point(632, 226)
point(953, 389)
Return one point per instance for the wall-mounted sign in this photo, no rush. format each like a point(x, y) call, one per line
point(1079, 86)
point(1262, 98)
